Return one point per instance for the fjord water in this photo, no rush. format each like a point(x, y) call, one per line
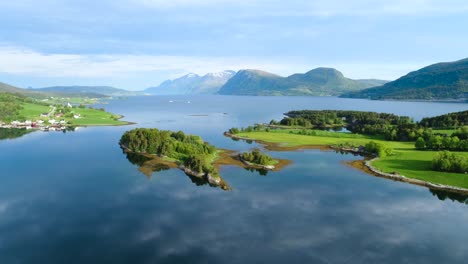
point(75, 198)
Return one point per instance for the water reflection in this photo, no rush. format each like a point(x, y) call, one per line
point(12, 133)
point(455, 197)
point(149, 164)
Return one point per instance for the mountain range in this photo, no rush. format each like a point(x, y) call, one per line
point(441, 81)
point(317, 82)
point(192, 84)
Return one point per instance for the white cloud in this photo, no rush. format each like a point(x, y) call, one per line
point(25, 61)
point(318, 7)
point(30, 63)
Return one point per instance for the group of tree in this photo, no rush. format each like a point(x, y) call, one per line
point(257, 157)
point(356, 121)
point(191, 150)
point(378, 149)
point(450, 162)
point(447, 121)
point(437, 142)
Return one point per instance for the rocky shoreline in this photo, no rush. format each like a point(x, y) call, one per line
point(402, 178)
point(254, 165)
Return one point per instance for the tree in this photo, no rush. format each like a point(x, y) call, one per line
point(420, 143)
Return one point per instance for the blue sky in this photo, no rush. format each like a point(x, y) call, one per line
point(134, 44)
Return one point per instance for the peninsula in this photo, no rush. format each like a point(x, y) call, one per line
point(432, 152)
point(19, 111)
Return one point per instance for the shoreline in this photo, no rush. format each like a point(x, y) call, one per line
point(363, 165)
point(145, 168)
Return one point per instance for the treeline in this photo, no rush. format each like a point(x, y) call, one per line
point(450, 162)
point(457, 141)
point(191, 150)
point(389, 126)
point(257, 157)
point(447, 121)
point(367, 123)
point(257, 127)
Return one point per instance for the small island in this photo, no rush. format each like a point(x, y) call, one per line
point(255, 158)
point(153, 150)
point(432, 152)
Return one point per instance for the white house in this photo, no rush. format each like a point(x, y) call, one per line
point(76, 116)
point(52, 121)
point(69, 105)
point(28, 122)
point(40, 121)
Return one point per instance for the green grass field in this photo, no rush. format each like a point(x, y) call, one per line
point(406, 160)
point(93, 117)
point(33, 111)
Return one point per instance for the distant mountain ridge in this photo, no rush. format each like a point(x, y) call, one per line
point(317, 82)
point(192, 84)
point(76, 89)
point(441, 81)
point(42, 94)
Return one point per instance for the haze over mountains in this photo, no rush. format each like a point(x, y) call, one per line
point(192, 84)
point(43, 94)
point(101, 90)
point(447, 80)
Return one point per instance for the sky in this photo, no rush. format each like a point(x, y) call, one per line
point(135, 44)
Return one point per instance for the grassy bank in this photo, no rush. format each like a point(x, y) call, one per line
point(88, 117)
point(93, 117)
point(406, 160)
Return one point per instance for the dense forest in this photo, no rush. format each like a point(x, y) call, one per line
point(448, 121)
point(189, 150)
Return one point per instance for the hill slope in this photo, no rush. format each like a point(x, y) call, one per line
point(441, 81)
point(192, 84)
point(317, 82)
point(6, 88)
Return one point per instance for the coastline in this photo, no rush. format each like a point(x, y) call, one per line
point(362, 165)
point(368, 168)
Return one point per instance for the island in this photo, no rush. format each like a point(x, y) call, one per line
point(431, 152)
point(154, 150)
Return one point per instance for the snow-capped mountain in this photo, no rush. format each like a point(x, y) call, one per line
point(193, 84)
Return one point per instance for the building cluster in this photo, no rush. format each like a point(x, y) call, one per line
point(49, 124)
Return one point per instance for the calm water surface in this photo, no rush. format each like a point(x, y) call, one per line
point(75, 198)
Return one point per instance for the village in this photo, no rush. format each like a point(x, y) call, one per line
point(54, 120)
